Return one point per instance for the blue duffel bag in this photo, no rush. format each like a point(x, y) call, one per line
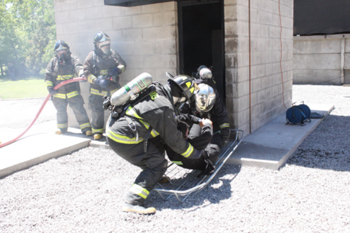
point(298, 114)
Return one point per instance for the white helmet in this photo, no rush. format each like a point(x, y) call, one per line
point(205, 98)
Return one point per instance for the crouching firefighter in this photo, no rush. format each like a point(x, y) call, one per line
point(139, 134)
point(62, 67)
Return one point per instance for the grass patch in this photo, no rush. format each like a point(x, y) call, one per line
point(31, 87)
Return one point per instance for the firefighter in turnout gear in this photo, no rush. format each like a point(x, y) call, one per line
point(140, 135)
point(102, 68)
point(205, 104)
point(62, 67)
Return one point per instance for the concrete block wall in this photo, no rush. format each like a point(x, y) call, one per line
point(268, 88)
point(145, 36)
point(322, 59)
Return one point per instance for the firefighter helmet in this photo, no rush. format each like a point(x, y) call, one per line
point(61, 50)
point(183, 88)
point(205, 98)
point(102, 42)
point(204, 72)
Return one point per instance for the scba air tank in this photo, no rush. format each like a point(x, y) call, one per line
point(131, 89)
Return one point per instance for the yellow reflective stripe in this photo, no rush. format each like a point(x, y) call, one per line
point(97, 92)
point(62, 126)
point(188, 152)
point(139, 190)
point(65, 77)
point(103, 72)
point(72, 94)
point(131, 112)
point(178, 162)
point(60, 95)
point(97, 130)
point(225, 125)
point(86, 125)
point(112, 91)
point(154, 133)
point(91, 78)
point(122, 139)
point(49, 83)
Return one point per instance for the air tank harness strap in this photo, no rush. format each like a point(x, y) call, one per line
point(133, 127)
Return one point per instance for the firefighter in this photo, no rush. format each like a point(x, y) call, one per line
point(65, 66)
point(199, 135)
point(215, 110)
point(102, 67)
point(140, 136)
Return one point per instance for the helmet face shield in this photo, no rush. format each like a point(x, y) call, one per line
point(62, 50)
point(205, 98)
point(103, 42)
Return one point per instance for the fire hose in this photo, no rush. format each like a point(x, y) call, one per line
point(41, 108)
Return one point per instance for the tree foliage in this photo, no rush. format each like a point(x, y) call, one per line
point(27, 31)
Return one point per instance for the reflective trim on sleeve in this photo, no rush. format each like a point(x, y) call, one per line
point(103, 72)
point(178, 163)
point(122, 139)
point(60, 95)
point(85, 125)
point(72, 94)
point(94, 91)
point(97, 131)
point(225, 125)
point(62, 126)
point(139, 190)
point(188, 152)
point(65, 77)
point(91, 78)
point(49, 83)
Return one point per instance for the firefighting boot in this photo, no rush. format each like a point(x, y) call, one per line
point(97, 136)
point(88, 133)
point(138, 209)
point(61, 131)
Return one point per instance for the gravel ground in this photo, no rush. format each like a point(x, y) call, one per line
point(83, 191)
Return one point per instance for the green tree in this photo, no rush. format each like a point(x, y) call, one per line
point(27, 30)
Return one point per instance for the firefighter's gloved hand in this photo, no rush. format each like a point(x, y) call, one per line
point(209, 167)
point(102, 83)
point(52, 91)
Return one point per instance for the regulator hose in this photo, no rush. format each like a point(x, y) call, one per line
point(41, 108)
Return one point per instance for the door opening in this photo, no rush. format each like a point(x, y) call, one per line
point(201, 39)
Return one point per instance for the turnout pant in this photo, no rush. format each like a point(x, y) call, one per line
point(97, 114)
point(77, 105)
point(152, 163)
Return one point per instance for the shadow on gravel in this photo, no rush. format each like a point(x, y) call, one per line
point(217, 190)
point(328, 147)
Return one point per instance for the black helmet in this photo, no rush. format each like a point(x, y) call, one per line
point(61, 49)
point(183, 88)
point(102, 42)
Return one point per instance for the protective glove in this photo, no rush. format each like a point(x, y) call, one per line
point(102, 83)
point(209, 166)
point(52, 91)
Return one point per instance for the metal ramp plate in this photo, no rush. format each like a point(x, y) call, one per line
point(183, 182)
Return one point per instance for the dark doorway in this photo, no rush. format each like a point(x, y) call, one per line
point(201, 38)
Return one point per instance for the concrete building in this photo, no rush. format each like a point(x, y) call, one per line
point(321, 42)
point(249, 44)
